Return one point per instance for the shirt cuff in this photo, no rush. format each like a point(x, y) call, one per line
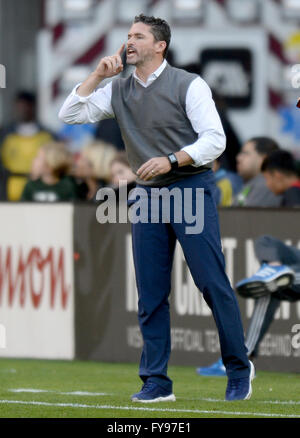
point(190, 150)
point(82, 99)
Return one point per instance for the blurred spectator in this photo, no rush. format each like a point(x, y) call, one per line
point(50, 182)
point(19, 144)
point(120, 170)
point(254, 192)
point(280, 172)
point(92, 168)
point(228, 184)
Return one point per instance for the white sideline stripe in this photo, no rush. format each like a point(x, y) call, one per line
point(271, 402)
point(214, 400)
point(132, 408)
point(36, 391)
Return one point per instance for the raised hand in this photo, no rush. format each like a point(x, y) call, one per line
point(110, 65)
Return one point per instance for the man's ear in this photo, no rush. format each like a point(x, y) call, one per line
point(161, 45)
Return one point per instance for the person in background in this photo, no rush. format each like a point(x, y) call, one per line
point(19, 144)
point(92, 168)
point(255, 192)
point(50, 182)
point(121, 173)
point(120, 170)
point(228, 184)
point(282, 178)
point(224, 191)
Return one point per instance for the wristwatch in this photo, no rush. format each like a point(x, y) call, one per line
point(173, 160)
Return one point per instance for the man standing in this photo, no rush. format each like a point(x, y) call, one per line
point(172, 134)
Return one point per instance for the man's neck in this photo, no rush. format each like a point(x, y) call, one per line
point(145, 70)
point(250, 179)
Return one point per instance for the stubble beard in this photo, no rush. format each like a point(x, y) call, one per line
point(142, 59)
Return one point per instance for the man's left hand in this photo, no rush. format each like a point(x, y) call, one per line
point(154, 167)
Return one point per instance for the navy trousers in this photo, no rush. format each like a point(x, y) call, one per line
point(153, 250)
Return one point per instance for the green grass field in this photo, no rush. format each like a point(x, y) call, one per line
point(62, 389)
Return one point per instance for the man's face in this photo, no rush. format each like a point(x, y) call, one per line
point(275, 181)
point(141, 45)
point(24, 110)
point(249, 161)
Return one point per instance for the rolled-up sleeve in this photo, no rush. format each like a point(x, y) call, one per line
point(205, 120)
point(88, 109)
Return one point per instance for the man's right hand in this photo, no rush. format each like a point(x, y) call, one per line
point(110, 65)
point(107, 67)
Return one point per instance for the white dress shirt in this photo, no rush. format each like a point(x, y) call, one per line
point(200, 110)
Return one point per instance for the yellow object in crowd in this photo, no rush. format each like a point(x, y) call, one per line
point(17, 153)
point(225, 187)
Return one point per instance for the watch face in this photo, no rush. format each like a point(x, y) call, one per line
point(173, 158)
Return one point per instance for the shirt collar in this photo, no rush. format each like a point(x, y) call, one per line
point(153, 75)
